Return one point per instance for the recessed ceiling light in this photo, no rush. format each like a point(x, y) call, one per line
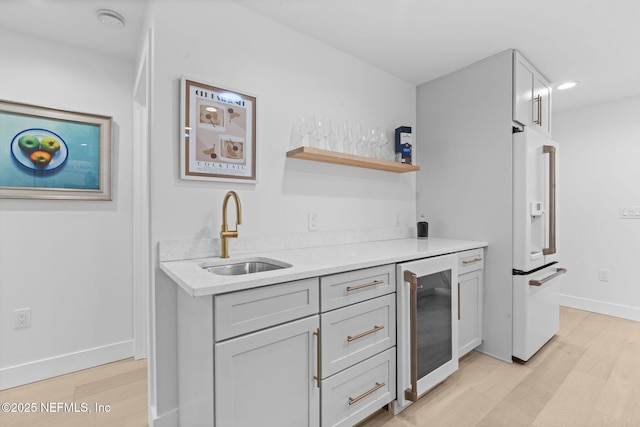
point(111, 19)
point(567, 85)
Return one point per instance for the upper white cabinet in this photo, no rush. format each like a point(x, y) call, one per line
point(531, 96)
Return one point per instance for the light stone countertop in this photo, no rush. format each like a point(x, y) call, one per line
point(308, 262)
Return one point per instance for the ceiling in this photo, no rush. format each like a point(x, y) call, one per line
point(594, 42)
point(75, 22)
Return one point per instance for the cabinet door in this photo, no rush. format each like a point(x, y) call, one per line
point(266, 378)
point(531, 96)
point(523, 98)
point(470, 311)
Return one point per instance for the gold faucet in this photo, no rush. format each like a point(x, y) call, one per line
point(225, 234)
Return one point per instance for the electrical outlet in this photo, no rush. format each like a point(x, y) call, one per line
point(603, 275)
point(22, 318)
point(629, 212)
point(313, 222)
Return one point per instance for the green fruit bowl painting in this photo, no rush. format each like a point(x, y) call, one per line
point(31, 140)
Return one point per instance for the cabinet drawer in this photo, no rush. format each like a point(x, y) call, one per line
point(347, 288)
point(354, 394)
point(247, 311)
point(470, 261)
point(354, 333)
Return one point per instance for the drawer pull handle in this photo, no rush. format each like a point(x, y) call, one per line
point(471, 261)
point(366, 285)
point(353, 400)
point(318, 358)
point(364, 334)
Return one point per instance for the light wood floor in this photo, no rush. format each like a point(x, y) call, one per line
point(121, 385)
point(588, 375)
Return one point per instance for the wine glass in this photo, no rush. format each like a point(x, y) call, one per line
point(386, 147)
point(347, 138)
point(296, 135)
point(374, 137)
point(308, 130)
point(324, 131)
point(335, 140)
point(360, 139)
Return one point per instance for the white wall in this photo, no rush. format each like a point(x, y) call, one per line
point(465, 184)
point(69, 261)
point(292, 75)
point(600, 172)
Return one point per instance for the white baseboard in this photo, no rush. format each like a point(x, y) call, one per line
point(609, 309)
point(169, 419)
point(38, 370)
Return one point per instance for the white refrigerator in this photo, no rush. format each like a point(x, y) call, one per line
point(536, 269)
point(473, 185)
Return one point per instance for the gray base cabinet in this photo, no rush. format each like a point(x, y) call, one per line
point(358, 323)
point(309, 353)
point(266, 378)
point(470, 300)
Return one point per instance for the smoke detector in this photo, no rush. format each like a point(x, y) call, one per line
point(111, 19)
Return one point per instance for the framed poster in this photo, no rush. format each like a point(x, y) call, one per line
point(47, 153)
point(218, 142)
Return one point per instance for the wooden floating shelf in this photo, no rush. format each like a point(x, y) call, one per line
point(325, 156)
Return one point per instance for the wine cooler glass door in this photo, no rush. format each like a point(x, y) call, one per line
point(428, 325)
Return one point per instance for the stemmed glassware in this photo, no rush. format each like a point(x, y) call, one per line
point(346, 137)
point(335, 140)
point(296, 139)
point(324, 131)
point(308, 130)
point(385, 146)
point(373, 142)
point(361, 140)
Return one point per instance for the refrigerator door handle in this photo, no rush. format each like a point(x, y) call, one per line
point(541, 282)
point(551, 150)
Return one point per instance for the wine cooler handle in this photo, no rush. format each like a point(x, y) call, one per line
point(411, 394)
point(551, 150)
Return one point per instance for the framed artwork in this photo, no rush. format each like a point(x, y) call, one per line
point(218, 133)
point(53, 154)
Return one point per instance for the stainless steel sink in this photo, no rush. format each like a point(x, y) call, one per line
point(244, 266)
